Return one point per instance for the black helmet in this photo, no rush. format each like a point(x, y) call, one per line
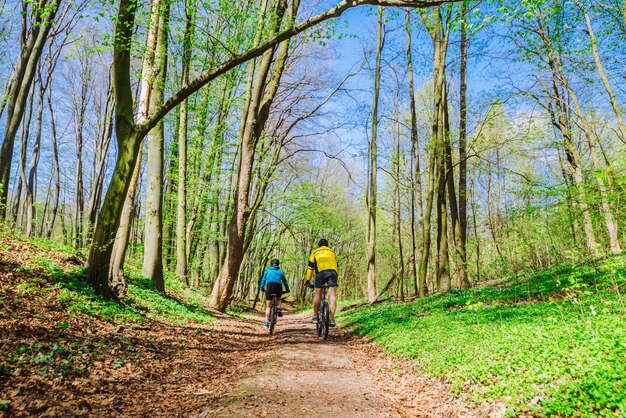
point(322, 243)
point(275, 262)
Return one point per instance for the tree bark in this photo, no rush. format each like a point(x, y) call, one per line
point(397, 201)
point(24, 204)
point(462, 222)
point(602, 74)
point(153, 234)
point(609, 219)
point(263, 94)
point(181, 208)
point(31, 186)
point(373, 166)
point(100, 158)
point(416, 178)
point(56, 168)
point(80, 102)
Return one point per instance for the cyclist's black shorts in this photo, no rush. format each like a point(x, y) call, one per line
point(326, 277)
point(273, 289)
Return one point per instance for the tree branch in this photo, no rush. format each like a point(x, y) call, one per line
point(215, 72)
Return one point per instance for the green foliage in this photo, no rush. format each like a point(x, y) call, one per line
point(552, 343)
point(143, 301)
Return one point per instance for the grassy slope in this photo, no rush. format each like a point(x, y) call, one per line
point(552, 343)
point(52, 326)
point(50, 270)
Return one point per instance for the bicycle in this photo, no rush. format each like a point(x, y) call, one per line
point(273, 312)
point(323, 320)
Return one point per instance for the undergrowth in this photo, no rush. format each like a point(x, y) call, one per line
point(552, 343)
point(179, 304)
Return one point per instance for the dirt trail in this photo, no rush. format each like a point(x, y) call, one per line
point(295, 373)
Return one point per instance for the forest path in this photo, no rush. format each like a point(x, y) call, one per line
point(295, 373)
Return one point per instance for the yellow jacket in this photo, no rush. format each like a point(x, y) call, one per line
point(322, 258)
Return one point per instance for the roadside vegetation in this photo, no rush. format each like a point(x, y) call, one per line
point(550, 343)
point(53, 324)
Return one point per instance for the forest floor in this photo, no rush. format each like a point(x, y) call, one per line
point(295, 373)
point(63, 352)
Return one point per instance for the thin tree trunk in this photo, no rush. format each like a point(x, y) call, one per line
point(609, 219)
point(181, 208)
point(25, 136)
point(416, 177)
point(80, 108)
point(601, 73)
point(562, 122)
point(56, 168)
point(373, 167)
point(397, 202)
point(31, 48)
point(102, 149)
point(465, 282)
point(31, 186)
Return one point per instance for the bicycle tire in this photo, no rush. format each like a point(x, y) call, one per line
point(273, 315)
point(326, 321)
point(318, 324)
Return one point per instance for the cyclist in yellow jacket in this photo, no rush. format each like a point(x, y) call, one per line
point(323, 262)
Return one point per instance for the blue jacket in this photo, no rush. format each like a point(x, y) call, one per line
point(274, 275)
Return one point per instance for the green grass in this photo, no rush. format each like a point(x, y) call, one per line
point(142, 300)
point(179, 305)
point(554, 342)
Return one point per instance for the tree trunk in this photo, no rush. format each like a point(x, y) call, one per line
point(373, 168)
point(31, 186)
point(128, 142)
point(601, 73)
point(31, 47)
point(562, 122)
point(416, 178)
point(100, 157)
point(79, 109)
point(56, 166)
point(462, 222)
point(181, 208)
point(609, 219)
point(23, 204)
point(263, 94)
point(153, 236)
point(397, 201)
point(122, 236)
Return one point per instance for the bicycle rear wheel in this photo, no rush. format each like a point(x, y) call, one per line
point(273, 316)
point(318, 324)
point(325, 320)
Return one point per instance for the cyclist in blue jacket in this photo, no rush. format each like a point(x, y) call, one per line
point(272, 284)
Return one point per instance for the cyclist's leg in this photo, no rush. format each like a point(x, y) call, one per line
point(268, 307)
point(317, 298)
point(332, 293)
point(332, 298)
point(268, 301)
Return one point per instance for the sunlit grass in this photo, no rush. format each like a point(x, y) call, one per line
point(554, 342)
